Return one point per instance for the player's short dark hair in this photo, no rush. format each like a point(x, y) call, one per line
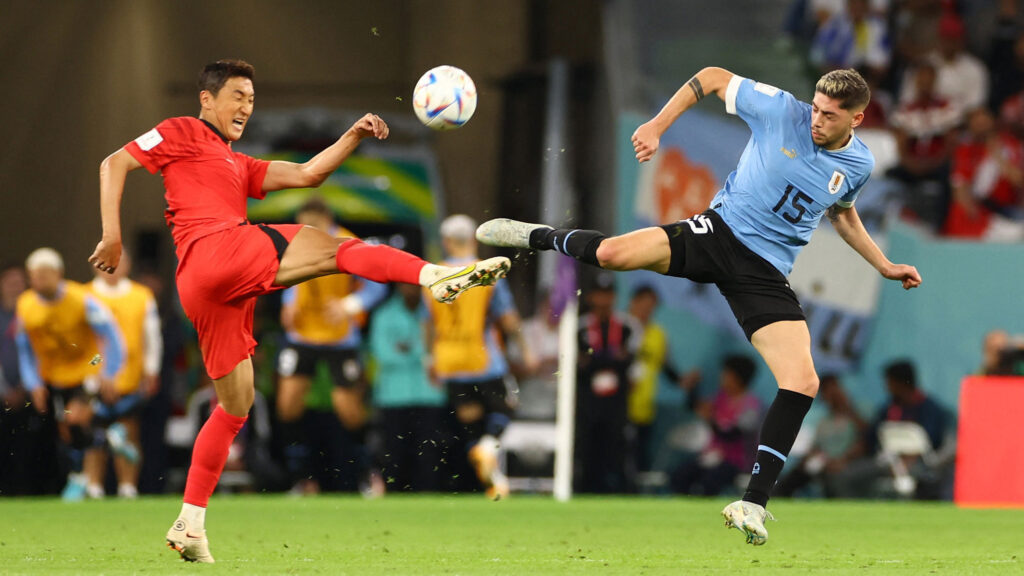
point(847, 86)
point(742, 366)
point(316, 205)
point(215, 74)
point(902, 372)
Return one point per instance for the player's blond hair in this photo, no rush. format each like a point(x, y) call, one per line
point(847, 86)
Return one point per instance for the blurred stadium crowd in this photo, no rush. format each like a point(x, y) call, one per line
point(947, 83)
point(363, 387)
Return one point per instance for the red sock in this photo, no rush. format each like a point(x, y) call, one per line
point(378, 262)
point(209, 455)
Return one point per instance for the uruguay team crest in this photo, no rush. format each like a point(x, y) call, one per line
point(835, 183)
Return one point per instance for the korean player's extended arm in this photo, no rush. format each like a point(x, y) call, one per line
point(113, 171)
point(707, 81)
point(847, 223)
point(281, 174)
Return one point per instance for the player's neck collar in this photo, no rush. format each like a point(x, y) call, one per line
point(844, 147)
point(215, 131)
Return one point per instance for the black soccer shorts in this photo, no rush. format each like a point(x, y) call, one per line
point(705, 250)
point(301, 360)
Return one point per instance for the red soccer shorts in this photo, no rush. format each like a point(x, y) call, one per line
point(219, 278)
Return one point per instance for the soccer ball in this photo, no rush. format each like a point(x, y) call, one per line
point(444, 98)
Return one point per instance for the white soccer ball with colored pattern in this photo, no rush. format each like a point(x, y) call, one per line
point(444, 98)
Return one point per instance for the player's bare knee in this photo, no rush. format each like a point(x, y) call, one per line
point(806, 385)
point(238, 405)
point(812, 386)
point(612, 255)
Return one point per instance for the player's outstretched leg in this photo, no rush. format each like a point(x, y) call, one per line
point(786, 348)
point(644, 249)
point(312, 253)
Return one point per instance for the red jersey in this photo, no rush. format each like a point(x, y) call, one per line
point(973, 166)
point(207, 183)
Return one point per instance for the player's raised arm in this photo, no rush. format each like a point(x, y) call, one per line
point(707, 81)
point(281, 174)
point(847, 223)
point(113, 171)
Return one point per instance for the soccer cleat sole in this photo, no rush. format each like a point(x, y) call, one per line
point(180, 550)
point(466, 279)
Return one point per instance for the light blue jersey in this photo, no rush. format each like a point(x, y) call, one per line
point(784, 182)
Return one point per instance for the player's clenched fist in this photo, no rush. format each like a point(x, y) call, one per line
point(645, 142)
point(106, 256)
point(371, 125)
point(904, 273)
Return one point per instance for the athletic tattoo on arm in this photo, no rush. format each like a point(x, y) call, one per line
point(698, 90)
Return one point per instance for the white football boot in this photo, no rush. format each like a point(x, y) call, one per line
point(506, 232)
point(191, 544)
point(748, 518)
point(446, 283)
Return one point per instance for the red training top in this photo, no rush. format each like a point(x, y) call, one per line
point(207, 183)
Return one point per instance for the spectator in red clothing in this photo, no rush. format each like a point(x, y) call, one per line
point(987, 178)
point(924, 133)
point(1011, 113)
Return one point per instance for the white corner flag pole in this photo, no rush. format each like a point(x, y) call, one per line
point(565, 422)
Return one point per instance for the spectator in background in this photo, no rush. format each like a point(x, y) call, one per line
point(410, 413)
point(1006, 61)
point(22, 462)
point(924, 133)
point(734, 415)
point(1002, 355)
point(170, 394)
point(907, 403)
point(61, 329)
point(650, 359)
point(961, 78)
point(322, 319)
point(538, 391)
point(854, 38)
point(878, 110)
point(838, 440)
point(608, 343)
point(134, 309)
point(12, 283)
point(993, 347)
point(470, 361)
point(651, 362)
point(987, 177)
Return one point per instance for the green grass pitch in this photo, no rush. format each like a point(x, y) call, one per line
point(407, 535)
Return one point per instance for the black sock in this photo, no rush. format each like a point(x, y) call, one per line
point(580, 244)
point(781, 425)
